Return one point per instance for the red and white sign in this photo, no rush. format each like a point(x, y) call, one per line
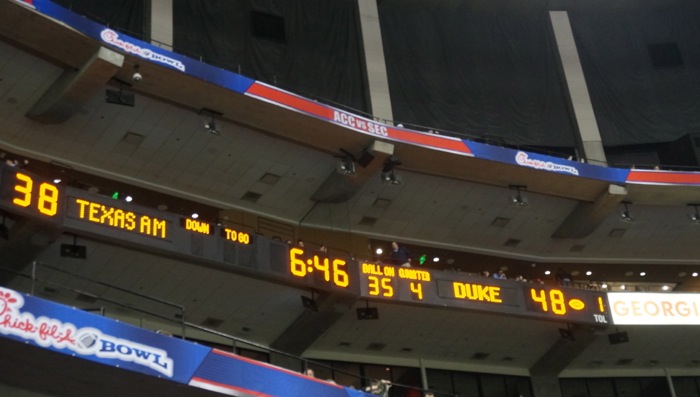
point(643, 308)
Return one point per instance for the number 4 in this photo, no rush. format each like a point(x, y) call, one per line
point(417, 288)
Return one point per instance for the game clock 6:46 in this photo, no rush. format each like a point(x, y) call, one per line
point(331, 272)
point(30, 195)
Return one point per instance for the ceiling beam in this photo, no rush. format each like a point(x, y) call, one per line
point(74, 88)
point(586, 217)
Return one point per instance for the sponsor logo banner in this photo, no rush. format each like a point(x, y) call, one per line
point(144, 50)
point(74, 332)
point(645, 308)
point(547, 163)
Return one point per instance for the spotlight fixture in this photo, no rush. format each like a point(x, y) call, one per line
point(346, 163)
point(389, 173)
point(518, 200)
point(211, 126)
point(625, 214)
point(345, 166)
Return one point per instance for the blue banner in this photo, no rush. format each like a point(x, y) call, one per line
point(146, 51)
point(547, 163)
point(230, 374)
point(77, 333)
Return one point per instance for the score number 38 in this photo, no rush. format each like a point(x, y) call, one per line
point(47, 202)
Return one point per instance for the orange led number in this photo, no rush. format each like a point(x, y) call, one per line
point(556, 300)
point(330, 269)
point(383, 286)
point(340, 276)
point(417, 288)
point(297, 266)
point(47, 203)
point(558, 303)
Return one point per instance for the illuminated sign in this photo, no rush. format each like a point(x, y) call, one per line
point(332, 271)
point(83, 213)
point(236, 236)
point(644, 308)
point(567, 303)
point(450, 289)
point(117, 218)
point(30, 194)
point(196, 226)
point(387, 281)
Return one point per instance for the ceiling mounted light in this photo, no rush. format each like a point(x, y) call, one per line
point(388, 172)
point(210, 126)
point(695, 218)
point(346, 163)
point(345, 166)
point(625, 214)
point(518, 199)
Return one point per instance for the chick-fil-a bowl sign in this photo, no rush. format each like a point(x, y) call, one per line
point(54, 333)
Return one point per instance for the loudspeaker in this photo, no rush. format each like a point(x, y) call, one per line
point(367, 313)
point(566, 333)
point(74, 251)
point(618, 337)
point(120, 97)
point(309, 303)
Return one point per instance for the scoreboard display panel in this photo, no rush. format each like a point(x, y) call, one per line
point(458, 290)
point(91, 215)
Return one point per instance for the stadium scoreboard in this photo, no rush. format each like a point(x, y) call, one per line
point(83, 213)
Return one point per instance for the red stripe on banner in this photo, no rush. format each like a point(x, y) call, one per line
point(229, 387)
point(430, 140)
point(664, 177)
point(290, 100)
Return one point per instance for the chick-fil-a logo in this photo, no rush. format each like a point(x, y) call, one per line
point(50, 332)
point(112, 37)
point(523, 159)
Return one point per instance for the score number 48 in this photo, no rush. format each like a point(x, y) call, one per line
point(47, 202)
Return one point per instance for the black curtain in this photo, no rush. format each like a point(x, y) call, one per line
point(127, 16)
point(320, 57)
point(636, 102)
point(483, 74)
